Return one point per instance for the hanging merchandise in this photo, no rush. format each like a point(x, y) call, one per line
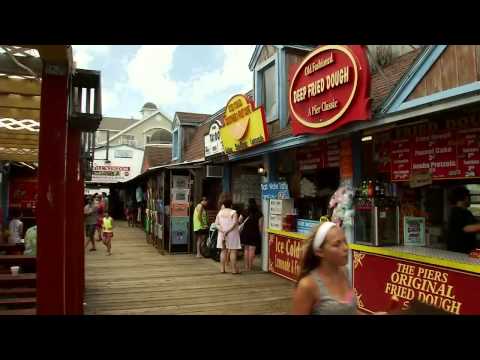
point(342, 205)
point(139, 194)
point(307, 188)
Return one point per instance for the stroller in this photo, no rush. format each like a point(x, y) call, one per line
point(208, 248)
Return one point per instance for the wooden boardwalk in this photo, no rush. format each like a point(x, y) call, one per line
point(137, 279)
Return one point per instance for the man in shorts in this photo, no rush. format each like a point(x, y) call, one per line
point(200, 223)
point(90, 212)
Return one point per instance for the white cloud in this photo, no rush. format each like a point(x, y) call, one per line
point(110, 99)
point(83, 55)
point(149, 73)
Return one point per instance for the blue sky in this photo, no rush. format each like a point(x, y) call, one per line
point(190, 78)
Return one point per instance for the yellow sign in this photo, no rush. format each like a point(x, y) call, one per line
point(244, 126)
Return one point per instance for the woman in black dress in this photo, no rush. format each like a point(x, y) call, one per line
point(251, 232)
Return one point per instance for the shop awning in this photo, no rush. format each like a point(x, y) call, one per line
point(20, 96)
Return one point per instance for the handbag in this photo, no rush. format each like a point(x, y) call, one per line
point(240, 227)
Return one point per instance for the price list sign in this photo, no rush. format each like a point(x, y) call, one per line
point(401, 159)
point(468, 152)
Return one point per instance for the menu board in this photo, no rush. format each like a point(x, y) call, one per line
point(400, 156)
point(445, 160)
point(333, 155)
point(468, 152)
point(383, 160)
point(311, 158)
point(324, 155)
point(423, 153)
point(445, 154)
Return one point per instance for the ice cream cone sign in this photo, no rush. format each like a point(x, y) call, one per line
point(244, 126)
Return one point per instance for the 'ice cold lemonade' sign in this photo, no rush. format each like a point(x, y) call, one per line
point(377, 278)
point(284, 256)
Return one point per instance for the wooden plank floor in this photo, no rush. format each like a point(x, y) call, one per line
point(137, 279)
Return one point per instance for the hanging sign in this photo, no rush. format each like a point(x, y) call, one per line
point(275, 190)
point(244, 126)
point(212, 143)
point(329, 89)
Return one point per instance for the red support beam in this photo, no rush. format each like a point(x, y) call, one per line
point(75, 238)
point(52, 192)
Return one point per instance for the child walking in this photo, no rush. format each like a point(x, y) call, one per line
point(107, 229)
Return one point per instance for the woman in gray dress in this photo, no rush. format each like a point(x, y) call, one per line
point(323, 287)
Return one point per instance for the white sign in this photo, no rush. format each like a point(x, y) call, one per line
point(181, 196)
point(180, 182)
point(212, 142)
point(414, 231)
point(125, 154)
point(110, 173)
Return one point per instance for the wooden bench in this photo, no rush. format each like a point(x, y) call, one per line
point(18, 301)
point(28, 311)
point(27, 263)
point(18, 292)
point(12, 249)
point(11, 281)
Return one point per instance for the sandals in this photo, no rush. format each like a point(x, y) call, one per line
point(92, 250)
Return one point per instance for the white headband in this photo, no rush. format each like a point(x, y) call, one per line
point(321, 234)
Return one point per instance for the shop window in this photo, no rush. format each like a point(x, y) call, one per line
point(266, 92)
point(175, 145)
point(270, 92)
point(128, 140)
point(474, 199)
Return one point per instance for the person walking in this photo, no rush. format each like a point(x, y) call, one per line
point(251, 228)
point(90, 212)
point(323, 287)
point(100, 213)
point(107, 229)
point(228, 239)
point(200, 223)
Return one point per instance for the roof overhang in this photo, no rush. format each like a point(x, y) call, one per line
point(21, 70)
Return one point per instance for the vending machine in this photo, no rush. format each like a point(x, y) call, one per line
point(376, 221)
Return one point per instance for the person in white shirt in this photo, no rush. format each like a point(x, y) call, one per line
point(15, 228)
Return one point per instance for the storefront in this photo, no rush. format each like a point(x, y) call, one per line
point(244, 129)
point(402, 222)
point(328, 90)
point(400, 167)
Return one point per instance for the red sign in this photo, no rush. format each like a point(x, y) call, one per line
point(324, 155)
point(378, 278)
point(468, 150)
point(444, 145)
point(346, 161)
point(447, 154)
point(179, 209)
point(284, 256)
point(401, 159)
point(329, 89)
point(23, 193)
point(311, 158)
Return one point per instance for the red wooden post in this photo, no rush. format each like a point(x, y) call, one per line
point(52, 191)
point(74, 227)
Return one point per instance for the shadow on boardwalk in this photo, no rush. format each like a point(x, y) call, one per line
point(136, 279)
